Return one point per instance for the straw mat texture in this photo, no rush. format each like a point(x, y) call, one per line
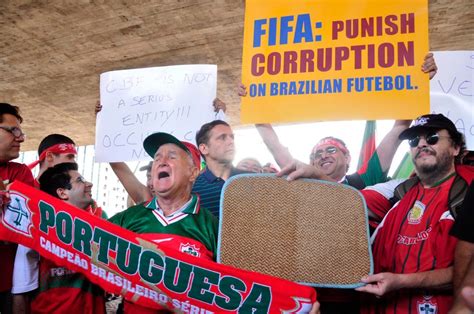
point(307, 231)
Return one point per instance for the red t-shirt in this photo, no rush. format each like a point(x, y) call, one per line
point(62, 290)
point(9, 172)
point(414, 237)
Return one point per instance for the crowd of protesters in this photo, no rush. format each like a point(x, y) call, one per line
point(422, 234)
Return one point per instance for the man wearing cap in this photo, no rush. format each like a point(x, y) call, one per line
point(137, 191)
point(174, 217)
point(11, 137)
point(215, 141)
point(413, 250)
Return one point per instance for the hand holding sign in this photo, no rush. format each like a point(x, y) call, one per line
point(357, 63)
point(136, 103)
point(452, 90)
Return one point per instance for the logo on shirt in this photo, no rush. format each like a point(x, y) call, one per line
point(190, 249)
point(416, 213)
point(426, 307)
point(17, 215)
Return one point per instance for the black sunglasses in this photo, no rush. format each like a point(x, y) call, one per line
point(430, 138)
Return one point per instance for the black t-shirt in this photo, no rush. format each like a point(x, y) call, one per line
point(463, 228)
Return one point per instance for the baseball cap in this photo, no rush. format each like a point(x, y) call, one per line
point(429, 121)
point(154, 141)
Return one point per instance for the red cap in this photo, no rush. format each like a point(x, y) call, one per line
point(194, 153)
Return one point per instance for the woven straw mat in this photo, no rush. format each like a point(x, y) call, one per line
point(307, 230)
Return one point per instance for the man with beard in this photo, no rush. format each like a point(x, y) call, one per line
point(412, 247)
point(413, 250)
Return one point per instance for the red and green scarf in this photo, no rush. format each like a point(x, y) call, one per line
point(122, 262)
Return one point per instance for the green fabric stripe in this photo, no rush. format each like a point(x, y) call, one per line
point(405, 168)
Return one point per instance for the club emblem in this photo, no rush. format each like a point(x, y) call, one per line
point(416, 213)
point(190, 249)
point(17, 216)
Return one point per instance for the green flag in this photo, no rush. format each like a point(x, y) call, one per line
point(405, 168)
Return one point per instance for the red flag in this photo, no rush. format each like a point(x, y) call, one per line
point(368, 146)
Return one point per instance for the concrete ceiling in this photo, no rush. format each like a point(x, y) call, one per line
point(52, 52)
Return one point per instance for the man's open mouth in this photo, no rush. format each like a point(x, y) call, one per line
point(163, 174)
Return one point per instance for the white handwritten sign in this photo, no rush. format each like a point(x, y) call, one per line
point(452, 90)
point(139, 102)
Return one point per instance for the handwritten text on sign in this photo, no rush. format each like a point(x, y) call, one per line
point(334, 60)
point(139, 102)
point(452, 90)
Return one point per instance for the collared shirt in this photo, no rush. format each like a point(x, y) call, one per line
point(209, 188)
point(190, 223)
point(176, 215)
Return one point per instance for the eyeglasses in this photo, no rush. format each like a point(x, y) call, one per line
point(17, 132)
point(430, 138)
point(80, 179)
point(330, 150)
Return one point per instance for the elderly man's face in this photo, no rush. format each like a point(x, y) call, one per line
point(173, 171)
point(9, 143)
point(433, 155)
point(331, 161)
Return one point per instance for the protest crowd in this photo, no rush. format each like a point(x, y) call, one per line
point(421, 227)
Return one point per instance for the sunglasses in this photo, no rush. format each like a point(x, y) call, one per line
point(430, 138)
point(17, 132)
point(330, 150)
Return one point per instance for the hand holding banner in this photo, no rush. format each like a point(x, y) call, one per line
point(123, 262)
point(334, 60)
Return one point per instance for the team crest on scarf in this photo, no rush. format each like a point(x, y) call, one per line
point(17, 216)
point(426, 307)
point(416, 213)
point(190, 249)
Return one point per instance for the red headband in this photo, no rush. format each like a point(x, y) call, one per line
point(63, 148)
point(330, 141)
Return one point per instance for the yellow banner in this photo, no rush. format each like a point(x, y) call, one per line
point(334, 60)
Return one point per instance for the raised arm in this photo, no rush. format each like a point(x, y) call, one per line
point(137, 190)
point(279, 152)
point(389, 144)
